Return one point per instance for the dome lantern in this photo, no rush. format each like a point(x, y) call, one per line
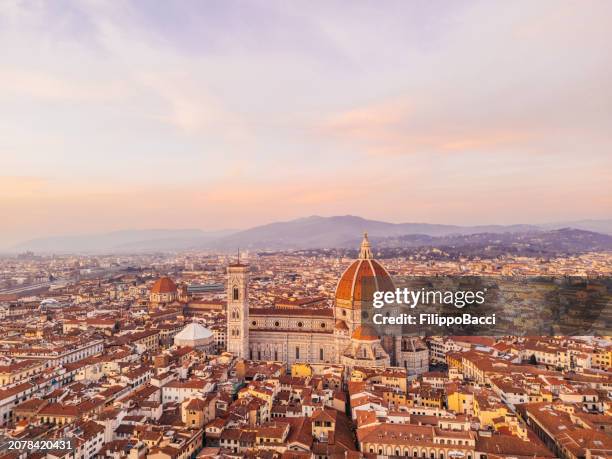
point(365, 252)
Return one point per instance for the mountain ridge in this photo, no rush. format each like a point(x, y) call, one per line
point(314, 231)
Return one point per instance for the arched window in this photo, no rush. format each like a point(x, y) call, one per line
point(235, 294)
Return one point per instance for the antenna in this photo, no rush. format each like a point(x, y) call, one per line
point(238, 255)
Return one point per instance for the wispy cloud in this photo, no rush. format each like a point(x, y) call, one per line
point(396, 128)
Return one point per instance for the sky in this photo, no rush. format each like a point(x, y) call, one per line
point(230, 114)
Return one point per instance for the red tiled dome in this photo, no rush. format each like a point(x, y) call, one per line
point(362, 278)
point(164, 285)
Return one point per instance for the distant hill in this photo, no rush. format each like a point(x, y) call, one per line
point(311, 232)
point(123, 241)
point(342, 231)
point(597, 226)
point(562, 241)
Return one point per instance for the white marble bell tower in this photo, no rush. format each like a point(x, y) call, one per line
point(238, 309)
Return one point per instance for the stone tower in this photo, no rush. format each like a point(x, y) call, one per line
point(238, 309)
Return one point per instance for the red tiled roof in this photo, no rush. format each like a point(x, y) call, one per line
point(164, 285)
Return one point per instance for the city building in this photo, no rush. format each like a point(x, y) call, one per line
point(164, 290)
point(320, 334)
point(196, 336)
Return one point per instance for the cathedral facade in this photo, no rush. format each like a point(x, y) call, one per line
point(320, 335)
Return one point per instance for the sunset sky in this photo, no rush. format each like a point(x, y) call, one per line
point(222, 114)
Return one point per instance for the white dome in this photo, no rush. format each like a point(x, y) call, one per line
point(194, 332)
point(49, 301)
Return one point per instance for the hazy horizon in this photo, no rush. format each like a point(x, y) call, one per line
point(607, 223)
point(227, 114)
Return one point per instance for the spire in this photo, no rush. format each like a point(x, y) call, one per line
point(365, 252)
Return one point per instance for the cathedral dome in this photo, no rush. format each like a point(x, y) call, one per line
point(164, 285)
point(362, 278)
